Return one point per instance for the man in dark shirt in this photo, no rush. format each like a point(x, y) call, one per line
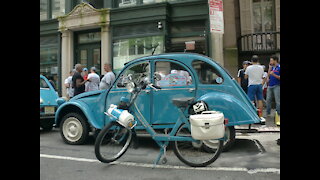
point(78, 81)
point(241, 80)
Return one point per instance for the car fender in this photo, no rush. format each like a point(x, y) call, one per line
point(76, 106)
point(235, 110)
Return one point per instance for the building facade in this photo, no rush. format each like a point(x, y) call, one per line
point(116, 31)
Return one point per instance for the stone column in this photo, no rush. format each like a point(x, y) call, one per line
point(105, 47)
point(66, 57)
point(217, 47)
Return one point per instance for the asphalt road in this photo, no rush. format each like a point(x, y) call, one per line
point(254, 156)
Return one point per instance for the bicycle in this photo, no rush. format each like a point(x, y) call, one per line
point(115, 138)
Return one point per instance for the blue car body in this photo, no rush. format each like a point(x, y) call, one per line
point(48, 104)
point(156, 106)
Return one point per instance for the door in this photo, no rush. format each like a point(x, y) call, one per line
point(119, 90)
point(90, 56)
point(177, 81)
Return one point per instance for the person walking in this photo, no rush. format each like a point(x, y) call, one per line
point(274, 84)
point(254, 74)
point(93, 80)
point(68, 84)
point(78, 81)
point(108, 78)
point(243, 82)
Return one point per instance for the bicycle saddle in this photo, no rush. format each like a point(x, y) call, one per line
point(182, 102)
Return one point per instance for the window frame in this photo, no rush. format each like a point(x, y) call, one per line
point(216, 71)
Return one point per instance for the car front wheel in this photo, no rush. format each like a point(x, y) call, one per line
point(74, 129)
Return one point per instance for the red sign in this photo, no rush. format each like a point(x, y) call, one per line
point(216, 16)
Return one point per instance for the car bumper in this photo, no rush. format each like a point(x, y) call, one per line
point(47, 116)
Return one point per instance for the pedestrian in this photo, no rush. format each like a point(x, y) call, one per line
point(68, 84)
point(85, 73)
point(254, 73)
point(108, 78)
point(78, 81)
point(243, 82)
point(274, 84)
point(93, 80)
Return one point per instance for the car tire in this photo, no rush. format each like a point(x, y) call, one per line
point(74, 129)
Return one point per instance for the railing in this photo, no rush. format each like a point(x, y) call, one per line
point(265, 41)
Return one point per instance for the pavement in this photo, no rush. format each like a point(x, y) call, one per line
point(269, 125)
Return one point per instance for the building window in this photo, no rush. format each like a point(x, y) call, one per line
point(43, 10)
point(263, 15)
point(58, 8)
point(49, 57)
point(50, 9)
point(125, 50)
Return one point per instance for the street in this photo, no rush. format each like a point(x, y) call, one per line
point(253, 156)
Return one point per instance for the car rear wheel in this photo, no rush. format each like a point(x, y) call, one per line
point(74, 129)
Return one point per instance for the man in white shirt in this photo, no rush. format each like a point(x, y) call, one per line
point(68, 84)
point(255, 73)
point(108, 78)
point(93, 80)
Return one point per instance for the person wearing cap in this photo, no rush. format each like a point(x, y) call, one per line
point(241, 80)
point(93, 80)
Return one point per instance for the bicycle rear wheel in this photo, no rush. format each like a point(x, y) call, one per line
point(112, 142)
point(195, 154)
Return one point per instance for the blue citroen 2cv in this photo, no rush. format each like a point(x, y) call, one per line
point(180, 75)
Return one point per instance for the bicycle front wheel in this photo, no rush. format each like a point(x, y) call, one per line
point(112, 142)
point(195, 154)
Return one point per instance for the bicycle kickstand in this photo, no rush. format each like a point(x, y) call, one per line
point(162, 153)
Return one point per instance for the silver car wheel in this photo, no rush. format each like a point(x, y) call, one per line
point(72, 129)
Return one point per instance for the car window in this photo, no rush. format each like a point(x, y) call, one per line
point(207, 73)
point(137, 71)
point(172, 74)
point(43, 84)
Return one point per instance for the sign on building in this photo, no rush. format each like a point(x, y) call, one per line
point(216, 16)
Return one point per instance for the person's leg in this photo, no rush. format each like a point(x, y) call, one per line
point(277, 98)
point(251, 93)
point(259, 95)
point(269, 100)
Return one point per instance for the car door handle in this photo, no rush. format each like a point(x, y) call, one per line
point(147, 91)
point(191, 89)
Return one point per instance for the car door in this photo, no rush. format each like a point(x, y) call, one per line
point(177, 81)
point(119, 89)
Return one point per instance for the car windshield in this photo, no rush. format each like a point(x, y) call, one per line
point(43, 84)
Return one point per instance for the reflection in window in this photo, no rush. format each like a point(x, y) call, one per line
point(137, 73)
point(58, 8)
point(206, 73)
point(43, 10)
point(43, 84)
point(263, 15)
point(125, 50)
point(172, 74)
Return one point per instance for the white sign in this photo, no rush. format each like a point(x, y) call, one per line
point(216, 16)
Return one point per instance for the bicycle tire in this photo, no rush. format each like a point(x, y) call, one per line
point(190, 153)
point(113, 136)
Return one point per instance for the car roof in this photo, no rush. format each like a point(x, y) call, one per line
point(178, 55)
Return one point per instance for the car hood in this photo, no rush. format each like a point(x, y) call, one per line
point(48, 97)
point(87, 94)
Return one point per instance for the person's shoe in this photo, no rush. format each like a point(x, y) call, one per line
point(262, 121)
point(278, 141)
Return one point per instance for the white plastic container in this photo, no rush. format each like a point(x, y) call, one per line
point(208, 125)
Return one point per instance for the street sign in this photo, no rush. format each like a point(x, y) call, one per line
point(216, 16)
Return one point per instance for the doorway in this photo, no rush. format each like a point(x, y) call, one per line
point(88, 50)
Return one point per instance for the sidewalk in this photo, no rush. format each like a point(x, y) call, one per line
point(269, 126)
